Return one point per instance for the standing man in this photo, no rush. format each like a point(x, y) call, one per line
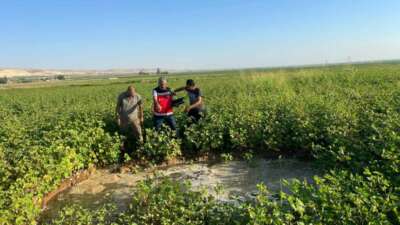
point(129, 112)
point(196, 109)
point(162, 102)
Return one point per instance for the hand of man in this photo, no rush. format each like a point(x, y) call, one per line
point(118, 120)
point(187, 109)
point(157, 107)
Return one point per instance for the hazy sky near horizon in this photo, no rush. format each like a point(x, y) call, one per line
point(189, 34)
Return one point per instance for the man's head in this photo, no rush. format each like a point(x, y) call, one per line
point(131, 90)
point(162, 83)
point(190, 84)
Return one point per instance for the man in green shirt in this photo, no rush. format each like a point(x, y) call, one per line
point(129, 112)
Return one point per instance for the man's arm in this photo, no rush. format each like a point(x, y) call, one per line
point(118, 106)
point(157, 106)
point(198, 102)
point(118, 110)
point(179, 89)
point(141, 113)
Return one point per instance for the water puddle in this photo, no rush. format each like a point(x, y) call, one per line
point(235, 177)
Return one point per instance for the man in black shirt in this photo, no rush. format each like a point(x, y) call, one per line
point(196, 109)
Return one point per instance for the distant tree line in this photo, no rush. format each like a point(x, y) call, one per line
point(60, 77)
point(158, 72)
point(161, 72)
point(3, 80)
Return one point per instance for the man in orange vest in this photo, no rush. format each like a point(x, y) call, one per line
point(162, 102)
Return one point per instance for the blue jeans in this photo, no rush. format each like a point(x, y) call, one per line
point(159, 120)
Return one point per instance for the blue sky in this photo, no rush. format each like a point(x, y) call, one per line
point(88, 34)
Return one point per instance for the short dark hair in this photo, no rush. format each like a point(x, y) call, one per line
point(130, 87)
point(190, 82)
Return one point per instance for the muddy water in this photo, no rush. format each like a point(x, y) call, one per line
point(235, 177)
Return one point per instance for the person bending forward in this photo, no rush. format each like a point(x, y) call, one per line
point(196, 109)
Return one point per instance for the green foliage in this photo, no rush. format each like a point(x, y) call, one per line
point(77, 215)
point(165, 203)
point(3, 80)
point(160, 146)
point(339, 198)
point(60, 77)
point(160, 201)
point(226, 157)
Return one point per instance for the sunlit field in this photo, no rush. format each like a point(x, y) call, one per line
point(345, 119)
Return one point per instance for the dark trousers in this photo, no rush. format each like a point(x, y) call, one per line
point(159, 120)
point(195, 114)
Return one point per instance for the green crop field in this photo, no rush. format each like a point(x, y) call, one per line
point(345, 118)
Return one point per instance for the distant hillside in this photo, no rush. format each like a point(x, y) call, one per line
point(42, 72)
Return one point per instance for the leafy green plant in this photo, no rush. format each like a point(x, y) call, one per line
point(226, 157)
point(159, 146)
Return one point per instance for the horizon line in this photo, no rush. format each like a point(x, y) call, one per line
point(211, 69)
